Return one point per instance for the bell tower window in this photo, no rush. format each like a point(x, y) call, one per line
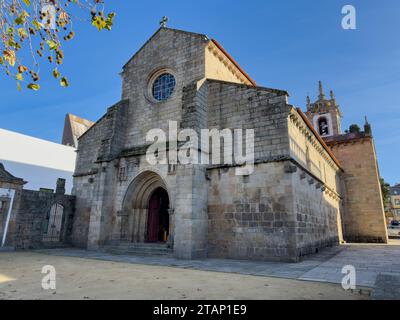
point(323, 126)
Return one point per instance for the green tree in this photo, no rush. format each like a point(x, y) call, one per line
point(385, 193)
point(37, 29)
point(354, 128)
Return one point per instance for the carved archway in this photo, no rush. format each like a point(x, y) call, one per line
point(135, 206)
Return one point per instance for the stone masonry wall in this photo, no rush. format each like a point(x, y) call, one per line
point(274, 214)
point(236, 106)
point(302, 207)
point(316, 189)
point(31, 216)
point(86, 169)
point(252, 217)
point(317, 212)
point(364, 218)
point(11, 232)
point(179, 52)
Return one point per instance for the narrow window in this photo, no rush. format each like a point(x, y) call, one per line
point(323, 126)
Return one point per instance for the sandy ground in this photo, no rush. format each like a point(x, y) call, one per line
point(21, 277)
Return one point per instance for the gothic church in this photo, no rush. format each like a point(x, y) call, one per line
point(312, 186)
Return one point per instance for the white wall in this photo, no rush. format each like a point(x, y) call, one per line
point(39, 162)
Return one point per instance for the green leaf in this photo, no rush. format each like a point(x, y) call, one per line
point(21, 18)
point(109, 21)
point(10, 31)
point(33, 86)
point(64, 82)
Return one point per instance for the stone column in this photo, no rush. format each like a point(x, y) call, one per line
point(96, 217)
point(171, 213)
point(60, 189)
point(191, 218)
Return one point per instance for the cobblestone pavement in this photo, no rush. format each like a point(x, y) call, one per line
point(368, 260)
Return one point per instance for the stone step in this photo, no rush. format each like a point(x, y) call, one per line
point(149, 246)
point(139, 249)
point(54, 245)
point(138, 253)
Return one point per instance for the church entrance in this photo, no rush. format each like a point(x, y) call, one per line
point(158, 217)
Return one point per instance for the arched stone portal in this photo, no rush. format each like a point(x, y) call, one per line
point(142, 197)
point(158, 217)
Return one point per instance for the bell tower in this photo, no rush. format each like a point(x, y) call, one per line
point(325, 114)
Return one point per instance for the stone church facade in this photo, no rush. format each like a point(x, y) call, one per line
point(303, 195)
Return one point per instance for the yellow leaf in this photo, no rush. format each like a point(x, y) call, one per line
point(33, 86)
point(22, 33)
point(9, 56)
point(37, 25)
point(64, 82)
point(52, 44)
point(56, 73)
point(99, 22)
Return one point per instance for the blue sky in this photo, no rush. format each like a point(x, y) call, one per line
point(283, 44)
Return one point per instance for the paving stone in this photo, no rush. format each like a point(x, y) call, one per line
point(387, 287)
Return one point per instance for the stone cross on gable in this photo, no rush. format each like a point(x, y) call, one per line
point(163, 22)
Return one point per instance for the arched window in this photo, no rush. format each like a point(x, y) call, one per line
point(323, 126)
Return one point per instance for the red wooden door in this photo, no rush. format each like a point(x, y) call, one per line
point(154, 218)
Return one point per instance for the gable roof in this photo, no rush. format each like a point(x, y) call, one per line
point(219, 46)
point(203, 36)
point(7, 177)
point(74, 127)
point(158, 31)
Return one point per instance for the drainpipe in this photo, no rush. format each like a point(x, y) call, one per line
point(10, 194)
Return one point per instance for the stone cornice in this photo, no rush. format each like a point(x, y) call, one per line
point(308, 133)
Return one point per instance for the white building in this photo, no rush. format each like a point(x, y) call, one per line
point(39, 162)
